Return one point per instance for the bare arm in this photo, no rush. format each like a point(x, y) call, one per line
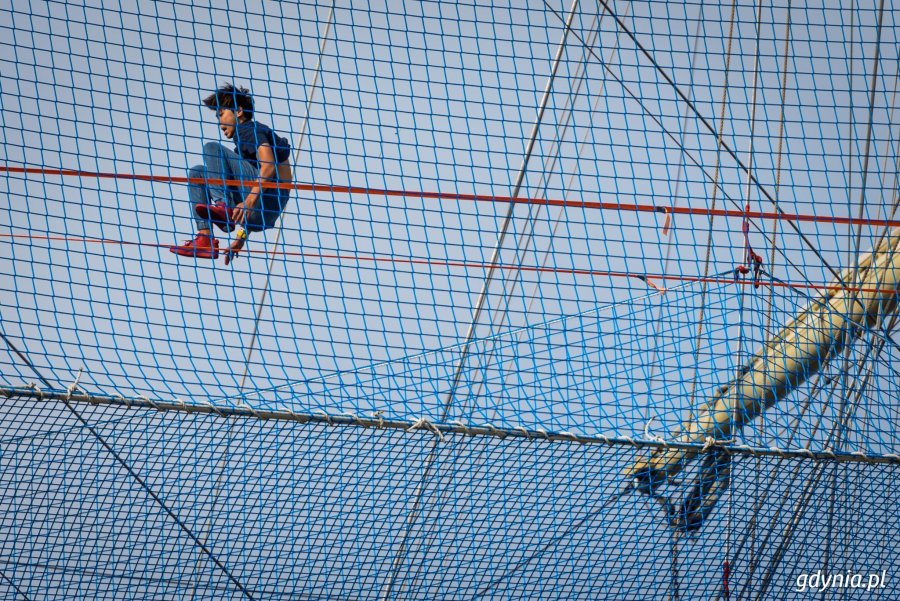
point(268, 171)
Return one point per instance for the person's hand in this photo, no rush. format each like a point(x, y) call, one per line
point(234, 249)
point(239, 212)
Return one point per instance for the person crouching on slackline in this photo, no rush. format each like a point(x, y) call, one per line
point(260, 155)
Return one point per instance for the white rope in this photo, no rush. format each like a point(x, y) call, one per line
point(423, 424)
point(74, 385)
point(300, 138)
point(647, 435)
point(504, 228)
point(387, 589)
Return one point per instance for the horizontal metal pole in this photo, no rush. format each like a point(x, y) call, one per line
point(441, 429)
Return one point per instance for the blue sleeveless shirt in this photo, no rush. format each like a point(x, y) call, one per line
point(250, 135)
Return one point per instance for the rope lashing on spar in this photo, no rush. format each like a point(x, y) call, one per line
point(423, 424)
point(70, 390)
point(711, 482)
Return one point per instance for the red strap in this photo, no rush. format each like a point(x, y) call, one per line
point(726, 572)
point(668, 220)
point(650, 283)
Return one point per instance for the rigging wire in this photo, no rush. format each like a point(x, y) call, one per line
point(852, 251)
point(845, 412)
point(655, 361)
point(817, 386)
point(548, 167)
point(709, 232)
point(748, 258)
point(709, 127)
point(878, 342)
point(482, 297)
point(768, 327)
point(131, 472)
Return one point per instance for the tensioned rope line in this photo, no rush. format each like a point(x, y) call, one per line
point(554, 540)
point(548, 323)
point(812, 480)
point(301, 137)
point(679, 143)
point(819, 385)
point(482, 297)
point(588, 44)
point(66, 399)
point(698, 342)
point(643, 277)
point(773, 240)
point(778, 215)
point(748, 216)
point(523, 243)
point(549, 166)
point(659, 324)
point(747, 261)
point(844, 409)
point(801, 506)
point(14, 586)
point(750, 531)
point(862, 193)
point(378, 422)
point(112, 574)
point(845, 412)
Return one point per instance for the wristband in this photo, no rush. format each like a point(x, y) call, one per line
point(241, 233)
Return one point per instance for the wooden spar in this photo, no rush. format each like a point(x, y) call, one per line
point(819, 332)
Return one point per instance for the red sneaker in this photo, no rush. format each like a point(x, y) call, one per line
point(218, 214)
point(203, 246)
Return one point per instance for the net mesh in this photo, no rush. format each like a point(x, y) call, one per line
point(519, 256)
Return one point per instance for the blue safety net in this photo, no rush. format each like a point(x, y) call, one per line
point(560, 300)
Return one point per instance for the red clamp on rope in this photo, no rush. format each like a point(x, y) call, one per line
point(726, 572)
point(757, 268)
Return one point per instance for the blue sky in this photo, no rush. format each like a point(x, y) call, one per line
point(371, 296)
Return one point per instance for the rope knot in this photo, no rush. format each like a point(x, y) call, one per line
point(423, 424)
point(74, 385)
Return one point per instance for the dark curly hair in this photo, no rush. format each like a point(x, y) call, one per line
point(230, 97)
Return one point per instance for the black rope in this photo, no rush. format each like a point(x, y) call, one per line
point(15, 587)
point(131, 472)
